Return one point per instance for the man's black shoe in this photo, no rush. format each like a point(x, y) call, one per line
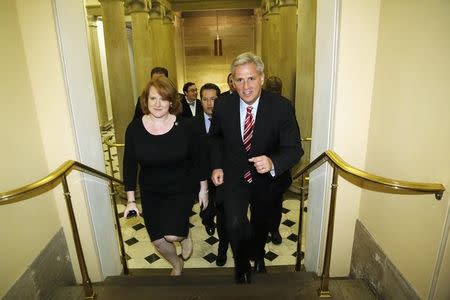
point(221, 259)
point(210, 228)
point(260, 266)
point(243, 278)
point(276, 237)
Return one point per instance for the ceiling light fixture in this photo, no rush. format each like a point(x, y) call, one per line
point(218, 41)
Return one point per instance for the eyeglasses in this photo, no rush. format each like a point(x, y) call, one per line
point(192, 90)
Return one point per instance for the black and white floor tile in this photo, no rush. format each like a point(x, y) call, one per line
point(140, 252)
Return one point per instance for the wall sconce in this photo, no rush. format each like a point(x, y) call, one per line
point(218, 41)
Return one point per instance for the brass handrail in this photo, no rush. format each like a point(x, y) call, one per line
point(109, 144)
point(338, 164)
point(59, 176)
point(426, 188)
point(54, 178)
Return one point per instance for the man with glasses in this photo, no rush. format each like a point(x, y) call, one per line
point(191, 105)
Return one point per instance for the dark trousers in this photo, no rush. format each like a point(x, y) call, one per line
point(248, 237)
point(215, 209)
point(277, 212)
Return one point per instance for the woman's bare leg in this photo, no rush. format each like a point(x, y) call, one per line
point(169, 252)
point(186, 244)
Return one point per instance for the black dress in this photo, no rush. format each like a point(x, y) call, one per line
point(171, 166)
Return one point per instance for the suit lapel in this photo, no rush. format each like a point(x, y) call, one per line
point(198, 108)
point(202, 120)
point(235, 116)
point(260, 125)
point(187, 109)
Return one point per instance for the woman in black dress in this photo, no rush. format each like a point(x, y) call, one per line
point(169, 151)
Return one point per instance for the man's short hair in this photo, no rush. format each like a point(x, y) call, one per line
point(186, 86)
point(209, 86)
point(248, 58)
point(159, 70)
point(274, 85)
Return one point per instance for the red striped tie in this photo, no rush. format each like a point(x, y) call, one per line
point(248, 133)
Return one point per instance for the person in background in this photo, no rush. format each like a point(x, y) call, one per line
point(156, 71)
point(230, 85)
point(169, 151)
point(273, 84)
point(209, 93)
point(254, 140)
point(191, 105)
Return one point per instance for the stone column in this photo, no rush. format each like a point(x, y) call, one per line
point(162, 34)
point(307, 10)
point(288, 46)
point(118, 63)
point(258, 31)
point(155, 28)
point(274, 41)
point(169, 45)
point(265, 39)
point(97, 76)
point(179, 51)
point(141, 41)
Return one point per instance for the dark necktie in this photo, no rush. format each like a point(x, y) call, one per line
point(249, 124)
point(207, 131)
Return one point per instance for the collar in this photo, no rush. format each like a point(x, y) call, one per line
point(243, 106)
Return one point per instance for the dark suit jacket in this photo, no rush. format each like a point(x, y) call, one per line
point(276, 135)
point(187, 111)
point(225, 93)
point(138, 111)
point(210, 212)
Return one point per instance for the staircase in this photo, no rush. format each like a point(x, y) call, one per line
point(278, 284)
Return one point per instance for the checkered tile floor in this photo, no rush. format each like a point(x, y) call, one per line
point(140, 252)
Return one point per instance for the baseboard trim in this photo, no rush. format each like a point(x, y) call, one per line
point(51, 269)
point(370, 263)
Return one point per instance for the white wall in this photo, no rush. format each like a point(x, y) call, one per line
point(27, 226)
point(66, 123)
point(409, 137)
point(345, 61)
point(358, 35)
point(79, 84)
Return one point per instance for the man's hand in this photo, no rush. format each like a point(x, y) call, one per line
point(203, 199)
point(217, 177)
point(262, 164)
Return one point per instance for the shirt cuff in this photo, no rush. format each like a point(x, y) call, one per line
point(272, 171)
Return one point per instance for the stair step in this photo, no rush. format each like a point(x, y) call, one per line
point(189, 279)
point(218, 285)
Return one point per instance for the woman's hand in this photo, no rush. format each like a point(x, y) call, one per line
point(203, 199)
point(130, 207)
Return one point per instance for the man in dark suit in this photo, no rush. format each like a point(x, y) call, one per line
point(209, 93)
point(191, 105)
point(230, 85)
point(254, 140)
